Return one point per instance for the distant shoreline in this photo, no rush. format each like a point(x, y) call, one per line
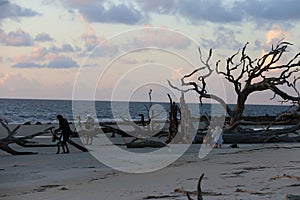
point(136, 101)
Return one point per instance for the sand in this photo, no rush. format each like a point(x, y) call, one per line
point(253, 171)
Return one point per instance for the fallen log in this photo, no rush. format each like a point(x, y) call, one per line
point(10, 139)
point(240, 138)
point(24, 141)
point(292, 197)
point(142, 143)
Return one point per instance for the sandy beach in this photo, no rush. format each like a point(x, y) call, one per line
point(252, 171)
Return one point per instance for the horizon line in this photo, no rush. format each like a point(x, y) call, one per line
point(137, 101)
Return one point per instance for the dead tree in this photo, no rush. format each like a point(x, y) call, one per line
point(173, 120)
point(270, 72)
point(11, 139)
point(185, 120)
point(24, 141)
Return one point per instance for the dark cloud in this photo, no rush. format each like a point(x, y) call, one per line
point(122, 14)
point(16, 38)
point(219, 11)
point(97, 12)
point(158, 6)
point(222, 38)
point(58, 63)
point(14, 11)
point(66, 48)
point(43, 37)
point(28, 65)
point(203, 10)
point(271, 9)
point(62, 62)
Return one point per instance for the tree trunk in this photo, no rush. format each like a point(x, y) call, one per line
point(173, 121)
point(239, 108)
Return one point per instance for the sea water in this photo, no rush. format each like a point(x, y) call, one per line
point(19, 111)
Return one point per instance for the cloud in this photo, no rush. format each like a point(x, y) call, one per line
point(97, 11)
point(222, 38)
point(16, 38)
point(270, 9)
point(89, 29)
point(43, 37)
point(161, 38)
point(220, 11)
point(62, 62)
point(120, 14)
point(158, 6)
point(39, 53)
point(276, 34)
point(66, 48)
point(16, 85)
point(57, 63)
point(273, 36)
point(203, 10)
point(27, 65)
point(14, 11)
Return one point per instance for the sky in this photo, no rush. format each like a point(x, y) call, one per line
point(119, 50)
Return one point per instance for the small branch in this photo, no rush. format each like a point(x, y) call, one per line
point(297, 178)
point(199, 191)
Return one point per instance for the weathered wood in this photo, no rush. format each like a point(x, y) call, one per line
point(10, 139)
point(173, 120)
point(199, 190)
point(23, 141)
point(248, 138)
point(81, 148)
point(292, 197)
point(142, 143)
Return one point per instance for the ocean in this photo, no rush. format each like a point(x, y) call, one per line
point(19, 111)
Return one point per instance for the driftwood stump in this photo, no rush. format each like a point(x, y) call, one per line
point(173, 120)
point(185, 121)
point(199, 190)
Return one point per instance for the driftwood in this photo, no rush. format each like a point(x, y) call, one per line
point(248, 138)
point(199, 190)
point(24, 141)
point(173, 120)
point(297, 178)
point(109, 128)
point(143, 135)
point(185, 121)
point(292, 197)
point(10, 139)
point(141, 143)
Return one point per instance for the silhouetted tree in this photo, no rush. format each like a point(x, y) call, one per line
point(247, 75)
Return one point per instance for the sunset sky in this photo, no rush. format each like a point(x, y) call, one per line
point(119, 49)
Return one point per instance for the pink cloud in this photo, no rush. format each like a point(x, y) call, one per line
point(273, 36)
point(17, 38)
point(51, 56)
point(89, 37)
point(88, 28)
point(19, 58)
point(38, 52)
point(276, 34)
